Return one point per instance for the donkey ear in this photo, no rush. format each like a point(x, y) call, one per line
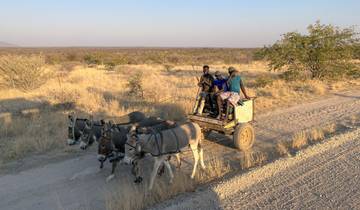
point(102, 122)
point(88, 123)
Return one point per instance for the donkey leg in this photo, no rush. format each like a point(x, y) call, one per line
point(178, 160)
point(112, 175)
point(201, 155)
point(168, 166)
point(196, 159)
point(157, 163)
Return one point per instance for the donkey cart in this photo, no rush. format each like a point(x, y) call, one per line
point(237, 123)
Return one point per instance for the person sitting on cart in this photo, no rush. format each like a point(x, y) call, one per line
point(220, 84)
point(234, 84)
point(206, 84)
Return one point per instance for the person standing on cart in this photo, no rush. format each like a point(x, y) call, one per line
point(206, 84)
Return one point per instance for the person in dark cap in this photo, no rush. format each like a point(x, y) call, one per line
point(206, 84)
point(235, 86)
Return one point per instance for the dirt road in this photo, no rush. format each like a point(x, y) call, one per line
point(78, 183)
point(324, 176)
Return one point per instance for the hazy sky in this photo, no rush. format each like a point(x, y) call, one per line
point(165, 23)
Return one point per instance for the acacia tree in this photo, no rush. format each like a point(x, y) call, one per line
point(325, 52)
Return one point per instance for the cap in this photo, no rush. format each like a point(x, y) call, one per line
point(231, 69)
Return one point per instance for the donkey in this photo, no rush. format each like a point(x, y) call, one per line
point(112, 146)
point(91, 131)
point(74, 127)
point(161, 144)
point(113, 140)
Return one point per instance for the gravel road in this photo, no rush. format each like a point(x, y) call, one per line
point(326, 176)
point(78, 183)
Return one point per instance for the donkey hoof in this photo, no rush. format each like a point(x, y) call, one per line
point(109, 178)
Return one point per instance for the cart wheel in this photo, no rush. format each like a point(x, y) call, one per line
point(244, 136)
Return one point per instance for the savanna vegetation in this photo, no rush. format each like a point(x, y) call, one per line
point(42, 85)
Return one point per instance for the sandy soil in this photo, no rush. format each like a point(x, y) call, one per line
point(324, 176)
point(78, 183)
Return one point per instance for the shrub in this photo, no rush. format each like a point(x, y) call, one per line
point(263, 81)
point(292, 75)
point(325, 52)
point(23, 73)
point(92, 59)
point(135, 85)
point(168, 67)
point(110, 66)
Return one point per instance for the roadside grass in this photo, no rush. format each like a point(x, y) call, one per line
point(252, 158)
point(316, 134)
point(299, 140)
point(33, 134)
point(282, 149)
point(135, 197)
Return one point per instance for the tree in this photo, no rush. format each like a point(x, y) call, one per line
point(325, 52)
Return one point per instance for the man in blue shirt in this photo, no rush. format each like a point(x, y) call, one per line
point(234, 84)
point(220, 83)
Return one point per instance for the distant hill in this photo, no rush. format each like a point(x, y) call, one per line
point(4, 44)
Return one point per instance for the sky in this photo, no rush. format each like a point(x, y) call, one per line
point(165, 23)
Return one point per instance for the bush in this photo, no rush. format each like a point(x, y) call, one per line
point(293, 76)
point(23, 73)
point(325, 52)
point(135, 85)
point(110, 66)
point(92, 60)
point(263, 81)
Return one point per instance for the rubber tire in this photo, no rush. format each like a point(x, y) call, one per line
point(244, 130)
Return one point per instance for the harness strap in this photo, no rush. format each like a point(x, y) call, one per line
point(177, 141)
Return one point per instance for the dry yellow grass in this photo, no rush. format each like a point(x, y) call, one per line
point(329, 129)
point(253, 158)
point(135, 197)
point(282, 149)
point(215, 168)
point(299, 140)
point(131, 196)
point(317, 134)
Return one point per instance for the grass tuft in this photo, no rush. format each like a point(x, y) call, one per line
point(299, 140)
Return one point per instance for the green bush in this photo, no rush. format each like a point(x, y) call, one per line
point(23, 72)
point(263, 81)
point(326, 52)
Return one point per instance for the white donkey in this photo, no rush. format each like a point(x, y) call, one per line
point(161, 144)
